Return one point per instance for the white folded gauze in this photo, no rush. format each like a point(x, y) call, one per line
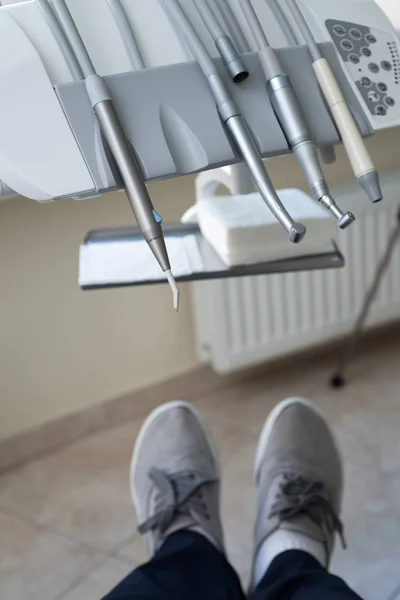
point(124, 262)
point(242, 229)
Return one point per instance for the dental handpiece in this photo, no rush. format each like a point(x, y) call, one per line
point(233, 120)
point(291, 119)
point(359, 157)
point(327, 153)
point(147, 218)
point(295, 128)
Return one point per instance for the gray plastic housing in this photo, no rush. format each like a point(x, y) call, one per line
point(172, 122)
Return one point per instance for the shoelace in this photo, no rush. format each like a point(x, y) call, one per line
point(299, 495)
point(178, 494)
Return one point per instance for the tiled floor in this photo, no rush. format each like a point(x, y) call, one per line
point(67, 528)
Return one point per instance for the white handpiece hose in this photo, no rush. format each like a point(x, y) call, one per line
point(128, 38)
point(223, 8)
point(73, 36)
point(62, 41)
point(283, 23)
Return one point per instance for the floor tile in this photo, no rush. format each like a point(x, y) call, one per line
point(370, 565)
point(36, 565)
point(249, 402)
point(238, 502)
point(366, 418)
point(82, 491)
point(133, 551)
point(98, 582)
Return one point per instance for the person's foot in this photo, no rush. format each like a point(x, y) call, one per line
point(175, 477)
point(299, 480)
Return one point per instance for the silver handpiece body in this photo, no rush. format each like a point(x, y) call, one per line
point(240, 133)
point(291, 118)
point(233, 120)
point(132, 178)
point(248, 150)
point(234, 63)
point(113, 132)
point(245, 144)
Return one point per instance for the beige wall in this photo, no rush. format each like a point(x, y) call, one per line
point(63, 350)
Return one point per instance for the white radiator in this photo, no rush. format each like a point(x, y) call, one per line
point(241, 322)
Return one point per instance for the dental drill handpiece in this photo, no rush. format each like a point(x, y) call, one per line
point(233, 120)
point(291, 119)
point(128, 166)
point(146, 216)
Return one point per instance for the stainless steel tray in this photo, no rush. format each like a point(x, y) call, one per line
point(214, 267)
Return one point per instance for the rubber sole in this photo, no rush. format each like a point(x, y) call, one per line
point(271, 422)
point(144, 431)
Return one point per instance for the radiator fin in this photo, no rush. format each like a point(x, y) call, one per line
point(258, 319)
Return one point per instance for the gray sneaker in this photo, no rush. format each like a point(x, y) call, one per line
point(299, 477)
point(175, 477)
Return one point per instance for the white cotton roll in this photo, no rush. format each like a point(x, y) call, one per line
point(243, 231)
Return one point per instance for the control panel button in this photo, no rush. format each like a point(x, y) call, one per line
point(366, 52)
point(366, 82)
point(347, 45)
point(339, 30)
point(390, 101)
point(382, 87)
point(355, 34)
point(354, 59)
point(374, 67)
point(373, 96)
point(371, 39)
point(381, 111)
point(386, 65)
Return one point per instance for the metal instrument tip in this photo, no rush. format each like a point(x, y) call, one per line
point(174, 288)
point(297, 233)
point(347, 220)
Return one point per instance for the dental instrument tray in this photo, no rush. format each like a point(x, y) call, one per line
point(112, 258)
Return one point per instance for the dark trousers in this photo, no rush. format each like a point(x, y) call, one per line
point(189, 567)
